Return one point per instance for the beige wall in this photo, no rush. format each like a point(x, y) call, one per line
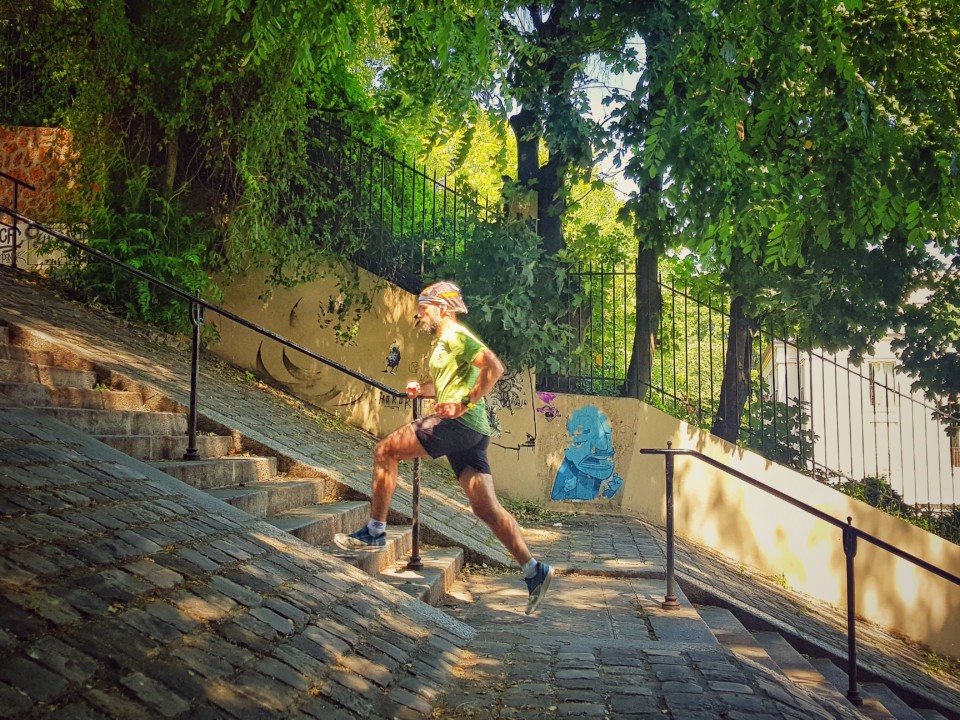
point(711, 508)
point(307, 315)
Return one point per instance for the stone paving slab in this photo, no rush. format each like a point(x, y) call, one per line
point(126, 593)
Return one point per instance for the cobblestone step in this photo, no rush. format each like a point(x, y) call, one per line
point(272, 497)
point(219, 472)
point(167, 447)
point(28, 372)
point(119, 422)
point(38, 395)
point(798, 668)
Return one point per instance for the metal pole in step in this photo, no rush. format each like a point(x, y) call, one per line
point(850, 550)
point(196, 318)
point(670, 600)
point(415, 562)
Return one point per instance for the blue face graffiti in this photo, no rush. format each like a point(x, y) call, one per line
point(587, 472)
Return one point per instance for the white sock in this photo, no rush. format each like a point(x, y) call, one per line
point(376, 528)
point(530, 568)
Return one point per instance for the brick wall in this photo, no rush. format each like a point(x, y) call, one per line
point(34, 155)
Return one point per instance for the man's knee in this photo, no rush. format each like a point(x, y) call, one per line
point(384, 450)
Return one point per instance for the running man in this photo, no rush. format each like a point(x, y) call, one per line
point(464, 370)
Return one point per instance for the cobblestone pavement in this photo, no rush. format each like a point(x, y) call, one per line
point(597, 649)
point(125, 593)
point(592, 547)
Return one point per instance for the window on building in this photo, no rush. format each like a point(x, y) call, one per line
point(955, 448)
point(882, 390)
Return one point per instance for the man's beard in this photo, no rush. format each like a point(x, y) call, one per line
point(428, 325)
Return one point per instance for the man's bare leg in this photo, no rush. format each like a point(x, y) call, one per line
point(483, 500)
point(401, 444)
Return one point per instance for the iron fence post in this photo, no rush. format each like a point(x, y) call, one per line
point(415, 562)
point(670, 600)
point(850, 550)
point(196, 319)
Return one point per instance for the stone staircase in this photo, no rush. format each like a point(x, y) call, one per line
point(823, 678)
point(137, 422)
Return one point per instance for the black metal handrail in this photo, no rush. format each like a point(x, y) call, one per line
point(197, 308)
point(850, 535)
point(14, 240)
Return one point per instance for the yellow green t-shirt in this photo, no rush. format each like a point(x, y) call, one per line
point(454, 374)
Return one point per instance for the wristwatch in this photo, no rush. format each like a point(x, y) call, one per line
point(467, 402)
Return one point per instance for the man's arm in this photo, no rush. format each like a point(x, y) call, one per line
point(491, 369)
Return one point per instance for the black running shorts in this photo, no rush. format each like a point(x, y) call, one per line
point(463, 446)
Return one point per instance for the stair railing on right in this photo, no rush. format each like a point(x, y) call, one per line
point(197, 308)
point(850, 535)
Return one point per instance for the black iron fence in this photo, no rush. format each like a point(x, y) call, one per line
point(841, 422)
point(397, 219)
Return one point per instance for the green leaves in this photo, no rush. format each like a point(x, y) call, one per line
point(520, 300)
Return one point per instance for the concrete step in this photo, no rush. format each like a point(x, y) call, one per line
point(798, 668)
point(119, 422)
point(871, 708)
point(16, 371)
point(429, 584)
point(679, 625)
point(891, 701)
point(931, 714)
point(37, 395)
point(374, 561)
point(167, 447)
point(734, 636)
point(317, 524)
point(272, 497)
point(219, 472)
point(21, 354)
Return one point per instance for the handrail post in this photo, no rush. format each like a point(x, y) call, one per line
point(850, 550)
point(196, 319)
point(670, 600)
point(415, 562)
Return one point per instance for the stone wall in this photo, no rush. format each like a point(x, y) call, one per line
point(36, 156)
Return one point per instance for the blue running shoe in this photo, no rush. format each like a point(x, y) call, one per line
point(359, 540)
point(537, 586)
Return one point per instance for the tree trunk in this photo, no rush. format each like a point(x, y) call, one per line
point(735, 388)
point(552, 204)
point(525, 130)
point(649, 306)
point(173, 156)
